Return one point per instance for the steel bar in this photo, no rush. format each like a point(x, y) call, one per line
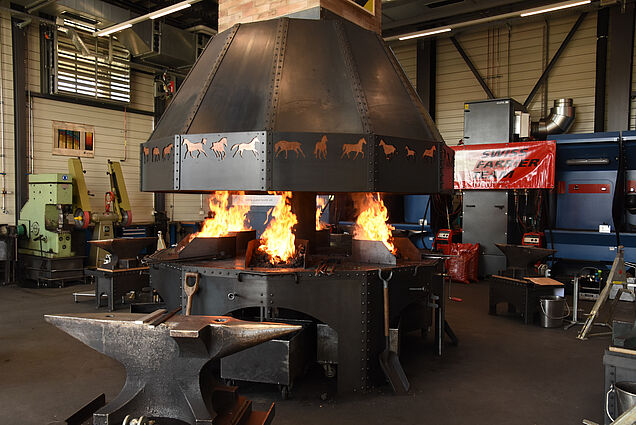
point(554, 60)
point(617, 274)
point(473, 69)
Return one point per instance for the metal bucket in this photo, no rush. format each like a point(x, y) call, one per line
point(551, 311)
point(625, 397)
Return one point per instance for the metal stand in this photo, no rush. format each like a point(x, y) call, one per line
point(575, 310)
point(617, 276)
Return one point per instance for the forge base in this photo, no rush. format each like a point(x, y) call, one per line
point(349, 300)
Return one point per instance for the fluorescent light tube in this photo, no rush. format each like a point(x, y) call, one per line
point(424, 34)
point(113, 29)
point(168, 10)
point(558, 6)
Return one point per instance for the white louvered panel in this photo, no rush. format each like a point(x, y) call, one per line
point(573, 76)
point(93, 75)
point(109, 144)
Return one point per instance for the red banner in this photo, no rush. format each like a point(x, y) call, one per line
point(526, 165)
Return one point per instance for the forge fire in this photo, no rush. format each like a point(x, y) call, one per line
point(371, 223)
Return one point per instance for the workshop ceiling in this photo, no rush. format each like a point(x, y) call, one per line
point(205, 12)
point(405, 16)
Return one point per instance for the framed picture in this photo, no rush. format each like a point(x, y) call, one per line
point(70, 139)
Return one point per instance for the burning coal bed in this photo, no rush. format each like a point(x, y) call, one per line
point(278, 246)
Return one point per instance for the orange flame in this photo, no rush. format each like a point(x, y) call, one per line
point(278, 239)
point(320, 206)
point(371, 223)
point(225, 218)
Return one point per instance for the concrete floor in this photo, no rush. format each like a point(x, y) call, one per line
point(503, 372)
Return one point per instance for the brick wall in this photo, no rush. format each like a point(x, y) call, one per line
point(242, 11)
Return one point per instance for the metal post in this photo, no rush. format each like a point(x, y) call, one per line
point(426, 73)
point(19, 36)
point(619, 63)
point(602, 27)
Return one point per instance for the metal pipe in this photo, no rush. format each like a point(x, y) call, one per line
point(559, 121)
point(2, 151)
point(31, 142)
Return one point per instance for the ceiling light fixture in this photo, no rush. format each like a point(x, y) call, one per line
point(152, 15)
point(558, 6)
point(113, 29)
point(425, 33)
point(168, 10)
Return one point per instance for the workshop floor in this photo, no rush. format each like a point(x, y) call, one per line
point(502, 372)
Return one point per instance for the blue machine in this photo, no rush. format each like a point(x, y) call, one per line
point(417, 217)
point(587, 167)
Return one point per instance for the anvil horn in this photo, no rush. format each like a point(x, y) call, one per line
point(226, 335)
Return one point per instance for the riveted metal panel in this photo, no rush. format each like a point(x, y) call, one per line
point(222, 161)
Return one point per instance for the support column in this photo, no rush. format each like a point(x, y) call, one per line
point(427, 73)
point(19, 36)
point(602, 28)
point(303, 204)
point(619, 85)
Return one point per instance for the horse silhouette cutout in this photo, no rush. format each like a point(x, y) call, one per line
point(194, 147)
point(320, 150)
point(410, 153)
point(347, 148)
point(388, 149)
point(219, 148)
point(156, 153)
point(285, 146)
point(242, 147)
point(167, 150)
point(428, 153)
point(146, 153)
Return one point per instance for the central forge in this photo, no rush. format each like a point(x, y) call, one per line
point(304, 107)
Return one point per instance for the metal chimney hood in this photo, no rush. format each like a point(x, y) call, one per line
point(300, 105)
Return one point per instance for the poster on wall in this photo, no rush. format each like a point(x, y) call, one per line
point(72, 139)
point(367, 5)
point(526, 165)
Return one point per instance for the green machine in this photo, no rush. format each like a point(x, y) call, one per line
point(59, 203)
point(43, 219)
point(45, 243)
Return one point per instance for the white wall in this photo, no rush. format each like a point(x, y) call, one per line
point(109, 131)
point(512, 73)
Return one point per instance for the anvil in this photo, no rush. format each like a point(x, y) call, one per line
point(164, 363)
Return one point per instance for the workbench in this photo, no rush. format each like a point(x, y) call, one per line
point(522, 295)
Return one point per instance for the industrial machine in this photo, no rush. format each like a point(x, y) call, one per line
point(592, 210)
point(340, 131)
point(503, 216)
point(57, 205)
point(486, 219)
point(117, 209)
point(44, 226)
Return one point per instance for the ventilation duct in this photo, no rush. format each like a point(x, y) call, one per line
point(559, 121)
